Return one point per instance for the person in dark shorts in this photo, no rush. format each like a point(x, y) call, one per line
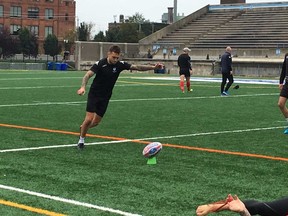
point(226, 69)
point(277, 207)
point(106, 73)
point(283, 86)
point(185, 69)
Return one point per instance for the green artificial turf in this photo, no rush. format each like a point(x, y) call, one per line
point(212, 145)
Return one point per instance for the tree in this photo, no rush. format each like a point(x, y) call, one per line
point(136, 28)
point(9, 44)
point(34, 46)
point(128, 33)
point(85, 31)
point(100, 37)
point(28, 43)
point(137, 18)
point(69, 40)
point(112, 35)
point(51, 46)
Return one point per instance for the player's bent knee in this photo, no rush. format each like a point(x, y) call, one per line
point(281, 105)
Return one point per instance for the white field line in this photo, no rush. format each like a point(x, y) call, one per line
point(39, 78)
point(216, 79)
point(137, 99)
point(214, 133)
point(36, 87)
point(76, 87)
point(73, 202)
point(176, 78)
point(62, 146)
point(143, 139)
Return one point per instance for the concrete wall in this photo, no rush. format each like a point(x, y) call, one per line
point(261, 67)
point(241, 67)
point(22, 66)
point(242, 53)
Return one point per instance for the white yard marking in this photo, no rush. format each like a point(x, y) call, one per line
point(215, 79)
point(214, 133)
point(36, 87)
point(46, 87)
point(143, 139)
point(136, 99)
point(73, 202)
point(61, 146)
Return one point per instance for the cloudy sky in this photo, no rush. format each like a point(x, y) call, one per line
point(102, 12)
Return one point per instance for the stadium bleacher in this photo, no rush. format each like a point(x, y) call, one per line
point(245, 27)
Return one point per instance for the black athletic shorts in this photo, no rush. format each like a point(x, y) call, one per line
point(284, 91)
point(97, 105)
point(185, 72)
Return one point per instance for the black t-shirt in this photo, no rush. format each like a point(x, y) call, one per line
point(226, 63)
point(284, 74)
point(106, 76)
point(184, 62)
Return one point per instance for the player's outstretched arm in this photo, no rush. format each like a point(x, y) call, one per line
point(231, 203)
point(146, 67)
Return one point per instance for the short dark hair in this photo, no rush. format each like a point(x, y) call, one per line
point(115, 49)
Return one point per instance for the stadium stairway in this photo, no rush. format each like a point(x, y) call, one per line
point(257, 29)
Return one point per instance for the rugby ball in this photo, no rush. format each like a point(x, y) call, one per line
point(152, 149)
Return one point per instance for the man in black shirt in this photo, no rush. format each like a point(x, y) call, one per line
point(226, 69)
point(106, 73)
point(185, 69)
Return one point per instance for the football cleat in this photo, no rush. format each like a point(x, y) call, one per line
point(225, 93)
point(80, 146)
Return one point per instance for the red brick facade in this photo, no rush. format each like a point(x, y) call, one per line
point(43, 17)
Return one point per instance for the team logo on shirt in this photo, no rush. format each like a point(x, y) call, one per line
point(114, 70)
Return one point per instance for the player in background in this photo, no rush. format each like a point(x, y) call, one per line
point(226, 69)
point(283, 86)
point(106, 73)
point(185, 69)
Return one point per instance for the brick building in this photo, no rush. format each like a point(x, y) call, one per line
point(42, 17)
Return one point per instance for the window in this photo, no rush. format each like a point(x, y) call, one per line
point(49, 0)
point(15, 11)
point(66, 16)
point(14, 29)
point(1, 27)
point(48, 30)
point(34, 30)
point(1, 10)
point(33, 13)
point(49, 13)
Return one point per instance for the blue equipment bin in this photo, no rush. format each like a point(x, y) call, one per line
point(58, 66)
point(50, 65)
point(64, 66)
